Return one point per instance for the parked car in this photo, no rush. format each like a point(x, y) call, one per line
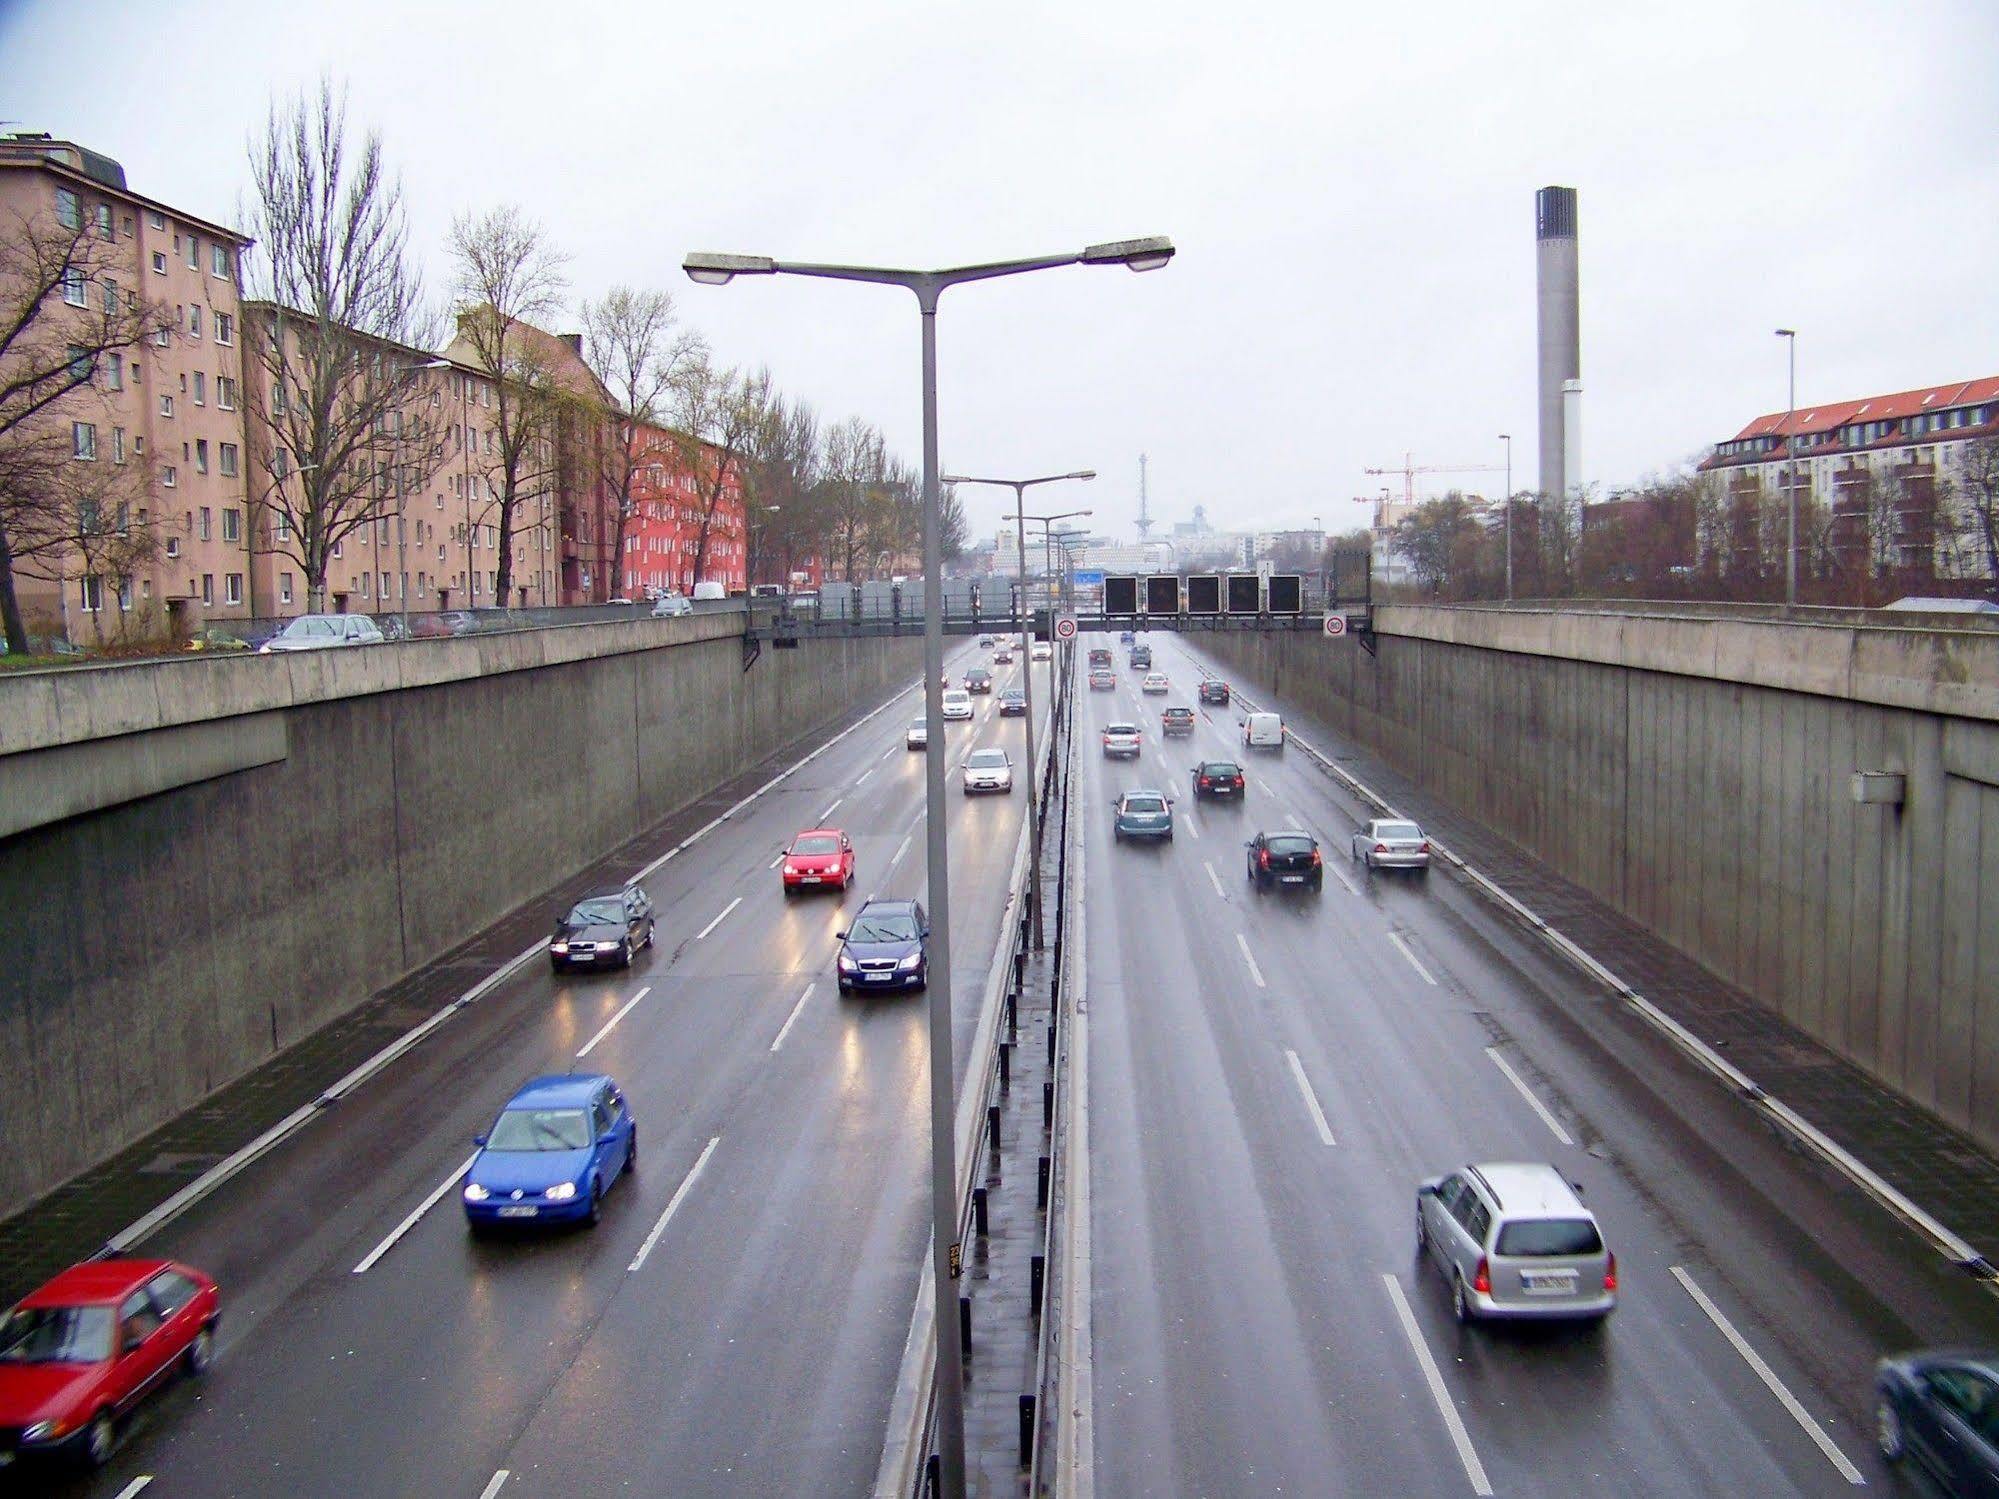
point(1177, 723)
point(557, 1147)
point(320, 632)
point(443, 624)
point(1155, 683)
point(988, 770)
point(1142, 814)
point(917, 735)
point(887, 947)
point(957, 704)
point(1263, 731)
point(1937, 1410)
point(79, 1354)
point(1121, 741)
point(1013, 703)
point(1390, 843)
point(1515, 1241)
point(1215, 690)
point(979, 679)
point(1222, 778)
point(602, 930)
point(672, 606)
point(1101, 680)
point(1286, 858)
point(817, 858)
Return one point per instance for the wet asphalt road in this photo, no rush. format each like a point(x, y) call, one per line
point(1252, 1266)
point(755, 1349)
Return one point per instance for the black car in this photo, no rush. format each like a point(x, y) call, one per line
point(1141, 658)
point(1177, 722)
point(602, 931)
point(1286, 859)
point(1939, 1411)
point(1215, 690)
point(887, 947)
point(978, 679)
point(1013, 703)
point(1218, 778)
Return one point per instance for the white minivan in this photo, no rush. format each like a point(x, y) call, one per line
point(1263, 731)
point(708, 588)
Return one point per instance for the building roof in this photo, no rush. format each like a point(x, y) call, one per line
point(1829, 417)
point(39, 154)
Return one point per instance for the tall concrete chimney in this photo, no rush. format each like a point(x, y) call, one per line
point(1557, 327)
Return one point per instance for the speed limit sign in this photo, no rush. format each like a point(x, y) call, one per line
point(1065, 627)
point(1336, 624)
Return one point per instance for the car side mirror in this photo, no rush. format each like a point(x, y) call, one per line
point(1426, 1189)
point(924, 930)
point(480, 1141)
point(1249, 843)
point(841, 935)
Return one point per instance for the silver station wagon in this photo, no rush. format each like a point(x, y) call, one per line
point(1515, 1241)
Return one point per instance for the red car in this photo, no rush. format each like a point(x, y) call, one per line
point(80, 1353)
point(820, 857)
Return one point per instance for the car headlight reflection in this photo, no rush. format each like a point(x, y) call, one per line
point(41, 1431)
point(561, 1192)
point(558, 947)
point(476, 1193)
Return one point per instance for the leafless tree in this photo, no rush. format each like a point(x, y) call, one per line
point(784, 489)
point(68, 518)
point(715, 417)
point(65, 323)
point(632, 343)
point(1976, 492)
point(336, 332)
point(508, 277)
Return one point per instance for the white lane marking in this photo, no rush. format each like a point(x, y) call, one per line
point(1528, 1093)
point(135, 1486)
point(494, 1484)
point(830, 810)
point(1341, 875)
point(718, 920)
point(1414, 962)
point(1769, 1377)
point(1311, 1098)
point(388, 1243)
point(1295, 825)
point(795, 1010)
point(1254, 972)
point(777, 861)
point(1193, 828)
point(864, 776)
point(900, 849)
point(887, 752)
point(672, 1207)
point(1460, 1438)
point(1265, 785)
point(623, 1010)
point(1214, 879)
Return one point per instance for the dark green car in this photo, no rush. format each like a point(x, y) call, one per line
point(1143, 814)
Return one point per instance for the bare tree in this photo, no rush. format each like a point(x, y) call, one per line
point(337, 332)
point(716, 415)
point(508, 276)
point(855, 461)
point(632, 346)
point(66, 517)
point(65, 322)
point(1977, 500)
point(784, 491)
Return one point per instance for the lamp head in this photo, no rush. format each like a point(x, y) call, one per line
point(720, 270)
point(1139, 254)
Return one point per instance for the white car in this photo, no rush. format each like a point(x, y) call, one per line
point(321, 632)
point(707, 588)
point(1155, 682)
point(988, 770)
point(1042, 650)
point(1389, 843)
point(957, 703)
point(918, 734)
point(1263, 731)
point(672, 606)
point(1121, 741)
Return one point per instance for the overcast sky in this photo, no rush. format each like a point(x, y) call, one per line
point(1350, 188)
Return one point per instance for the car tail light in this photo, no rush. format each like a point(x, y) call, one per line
point(1264, 858)
point(1481, 1280)
point(1315, 858)
point(1204, 780)
point(1381, 848)
point(1425, 848)
point(1610, 1273)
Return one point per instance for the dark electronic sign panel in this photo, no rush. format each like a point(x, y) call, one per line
point(1287, 593)
point(1162, 595)
point(1245, 594)
point(1204, 594)
point(1120, 595)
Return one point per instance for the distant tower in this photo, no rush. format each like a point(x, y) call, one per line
point(1144, 514)
point(1559, 332)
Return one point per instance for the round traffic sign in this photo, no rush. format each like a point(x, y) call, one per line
point(1336, 624)
point(1065, 627)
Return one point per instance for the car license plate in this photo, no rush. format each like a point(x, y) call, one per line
point(523, 1210)
point(1549, 1284)
point(1293, 879)
point(876, 978)
point(808, 879)
point(1224, 791)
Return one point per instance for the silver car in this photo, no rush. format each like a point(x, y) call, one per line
point(988, 770)
point(672, 606)
point(1515, 1241)
point(917, 736)
point(1388, 843)
point(320, 632)
point(1121, 741)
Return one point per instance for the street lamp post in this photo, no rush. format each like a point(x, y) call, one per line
point(1507, 438)
point(1020, 519)
point(928, 286)
point(1790, 337)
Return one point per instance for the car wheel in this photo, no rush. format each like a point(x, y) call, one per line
point(1169, 835)
point(1888, 1429)
point(99, 1438)
point(200, 1353)
point(596, 1213)
point(1461, 1307)
point(1319, 881)
point(789, 890)
point(1422, 1234)
point(625, 954)
point(652, 933)
point(632, 1152)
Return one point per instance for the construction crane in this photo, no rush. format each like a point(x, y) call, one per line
point(1410, 470)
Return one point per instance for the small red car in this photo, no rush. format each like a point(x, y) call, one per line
point(817, 858)
point(80, 1353)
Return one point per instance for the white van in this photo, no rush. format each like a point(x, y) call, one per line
point(1263, 731)
point(709, 589)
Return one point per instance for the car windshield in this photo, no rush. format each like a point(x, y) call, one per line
point(1290, 843)
point(977, 674)
point(308, 627)
point(604, 910)
point(1144, 804)
point(884, 928)
point(1013, 695)
point(987, 759)
point(1121, 728)
point(1397, 830)
point(540, 1129)
point(1219, 768)
point(919, 723)
point(1535, 1237)
point(818, 843)
point(56, 1335)
point(1179, 712)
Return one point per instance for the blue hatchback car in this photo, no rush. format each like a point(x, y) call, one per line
point(887, 947)
point(552, 1153)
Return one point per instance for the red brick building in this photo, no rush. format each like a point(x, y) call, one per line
point(664, 531)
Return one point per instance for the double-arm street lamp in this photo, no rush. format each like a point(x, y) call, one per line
point(928, 286)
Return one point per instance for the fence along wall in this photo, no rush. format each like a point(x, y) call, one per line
point(1694, 772)
point(202, 862)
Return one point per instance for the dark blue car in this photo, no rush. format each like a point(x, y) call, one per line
point(1938, 1410)
point(552, 1154)
point(887, 947)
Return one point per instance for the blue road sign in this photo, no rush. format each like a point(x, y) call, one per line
point(1089, 577)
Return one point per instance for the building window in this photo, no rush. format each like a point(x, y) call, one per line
point(225, 392)
point(110, 295)
point(114, 372)
point(92, 590)
point(166, 406)
point(207, 529)
point(104, 221)
point(194, 322)
point(208, 588)
point(225, 328)
point(227, 455)
point(193, 253)
point(159, 262)
point(363, 581)
point(83, 441)
point(232, 523)
point(281, 526)
point(68, 213)
point(173, 546)
point(169, 479)
point(163, 337)
point(232, 588)
point(201, 457)
point(125, 594)
point(337, 546)
point(284, 588)
point(218, 260)
point(155, 219)
point(72, 288)
point(117, 444)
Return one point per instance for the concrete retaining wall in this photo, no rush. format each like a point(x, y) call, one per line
point(203, 861)
point(1694, 772)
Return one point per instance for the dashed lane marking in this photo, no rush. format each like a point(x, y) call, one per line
point(1254, 972)
point(796, 1010)
point(1453, 1422)
point(609, 1025)
point(672, 1207)
point(394, 1234)
point(718, 920)
point(1527, 1093)
point(1311, 1099)
point(1214, 879)
point(1414, 961)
